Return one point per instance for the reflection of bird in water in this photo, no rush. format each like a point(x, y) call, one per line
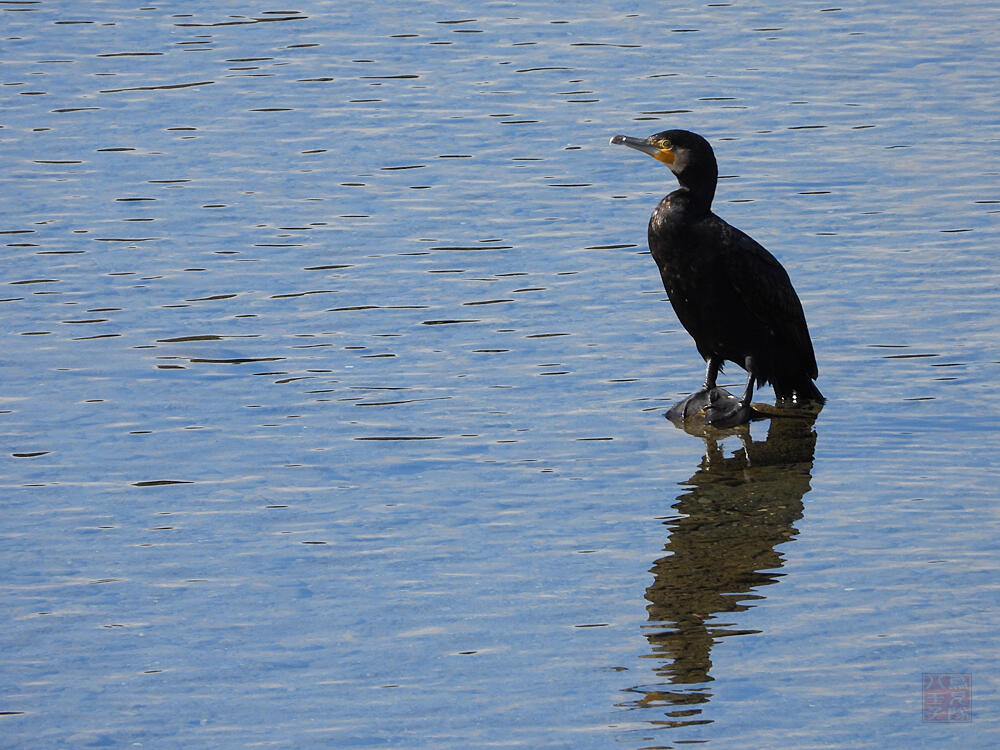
point(731, 294)
point(732, 514)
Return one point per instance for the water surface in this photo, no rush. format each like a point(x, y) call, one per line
point(334, 364)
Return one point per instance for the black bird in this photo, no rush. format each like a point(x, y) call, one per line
point(731, 294)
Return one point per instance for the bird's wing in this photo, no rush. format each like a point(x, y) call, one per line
point(763, 285)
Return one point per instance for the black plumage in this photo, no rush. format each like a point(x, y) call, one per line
point(729, 292)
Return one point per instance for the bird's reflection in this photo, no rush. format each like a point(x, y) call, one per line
point(730, 516)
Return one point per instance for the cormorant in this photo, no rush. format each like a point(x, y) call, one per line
point(731, 294)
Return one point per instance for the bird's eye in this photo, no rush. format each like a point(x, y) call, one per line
point(665, 145)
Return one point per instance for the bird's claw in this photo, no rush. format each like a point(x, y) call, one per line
point(709, 406)
point(728, 412)
point(712, 406)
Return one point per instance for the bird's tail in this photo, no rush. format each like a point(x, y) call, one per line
point(801, 389)
point(809, 392)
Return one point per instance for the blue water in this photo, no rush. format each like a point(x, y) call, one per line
point(333, 370)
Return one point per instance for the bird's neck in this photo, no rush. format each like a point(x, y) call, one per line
point(699, 188)
point(694, 200)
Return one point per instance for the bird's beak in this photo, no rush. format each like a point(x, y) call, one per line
point(646, 146)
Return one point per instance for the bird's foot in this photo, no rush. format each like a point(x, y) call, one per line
point(697, 405)
point(712, 406)
point(729, 411)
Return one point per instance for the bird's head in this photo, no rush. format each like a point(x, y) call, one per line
point(681, 150)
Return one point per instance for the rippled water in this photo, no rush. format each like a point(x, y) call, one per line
point(334, 363)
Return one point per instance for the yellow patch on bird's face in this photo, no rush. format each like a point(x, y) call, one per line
point(666, 152)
